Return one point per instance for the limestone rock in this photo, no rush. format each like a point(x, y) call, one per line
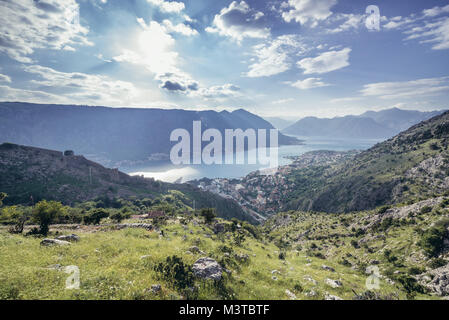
point(207, 268)
point(54, 242)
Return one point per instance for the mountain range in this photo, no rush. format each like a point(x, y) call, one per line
point(369, 125)
point(116, 134)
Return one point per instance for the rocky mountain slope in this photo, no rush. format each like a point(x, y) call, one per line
point(48, 174)
point(411, 166)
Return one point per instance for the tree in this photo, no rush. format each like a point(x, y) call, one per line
point(208, 214)
point(17, 216)
point(45, 212)
point(117, 216)
point(95, 216)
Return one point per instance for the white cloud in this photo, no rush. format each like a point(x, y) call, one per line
point(239, 21)
point(26, 25)
point(283, 101)
point(273, 57)
point(80, 87)
point(308, 11)
point(179, 28)
point(351, 21)
point(397, 22)
point(427, 27)
point(168, 6)
point(12, 94)
point(347, 99)
point(436, 11)
point(326, 62)
point(436, 32)
point(407, 89)
point(4, 78)
point(220, 92)
point(309, 83)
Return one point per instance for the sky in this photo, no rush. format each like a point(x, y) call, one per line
point(288, 59)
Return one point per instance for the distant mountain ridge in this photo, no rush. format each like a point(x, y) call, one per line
point(113, 133)
point(369, 125)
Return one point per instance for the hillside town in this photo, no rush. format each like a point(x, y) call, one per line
point(260, 192)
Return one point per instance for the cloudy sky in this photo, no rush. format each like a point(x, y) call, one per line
point(290, 58)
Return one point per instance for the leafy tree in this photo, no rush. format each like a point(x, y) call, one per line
point(45, 212)
point(17, 216)
point(208, 214)
point(118, 216)
point(95, 216)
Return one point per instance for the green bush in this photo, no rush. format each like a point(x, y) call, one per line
point(437, 263)
point(45, 212)
point(432, 240)
point(425, 209)
point(175, 271)
point(208, 214)
point(95, 216)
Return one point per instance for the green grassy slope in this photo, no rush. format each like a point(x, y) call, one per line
point(287, 254)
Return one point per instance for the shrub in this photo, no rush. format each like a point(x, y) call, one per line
point(437, 263)
point(45, 213)
point(208, 214)
point(432, 240)
point(416, 270)
point(117, 217)
point(17, 216)
point(425, 209)
point(175, 271)
point(95, 216)
point(410, 285)
point(383, 209)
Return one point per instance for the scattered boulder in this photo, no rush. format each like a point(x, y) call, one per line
point(311, 293)
point(194, 249)
point(241, 257)
point(71, 238)
point(155, 288)
point(324, 267)
point(219, 228)
point(309, 278)
point(207, 268)
point(290, 294)
point(333, 283)
point(331, 297)
point(145, 226)
point(54, 242)
point(440, 281)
